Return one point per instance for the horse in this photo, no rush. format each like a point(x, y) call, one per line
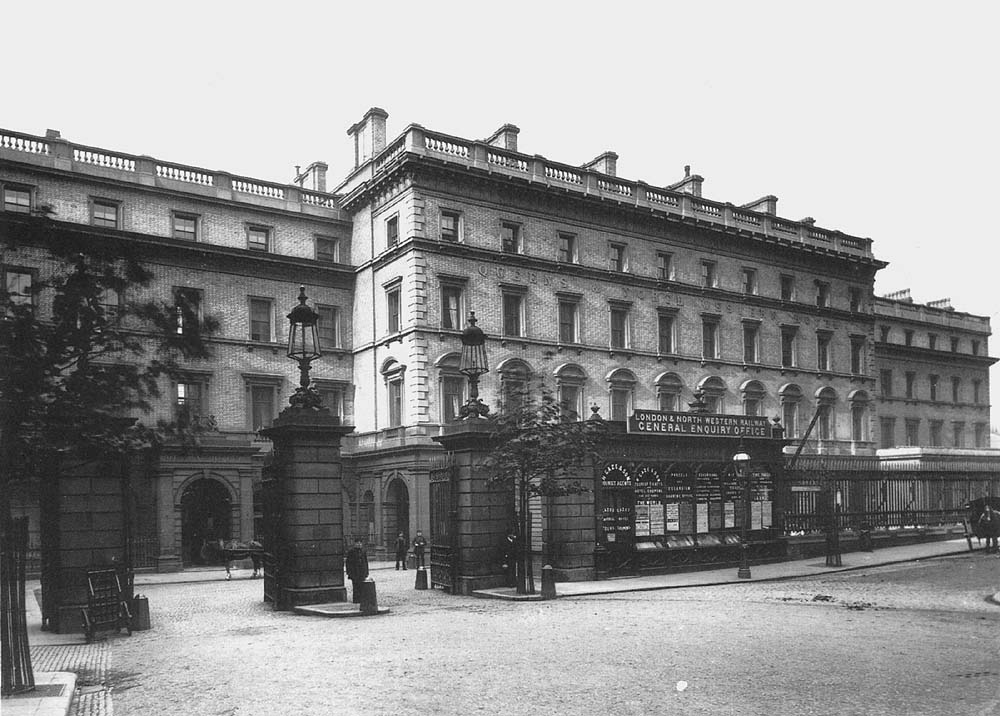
point(230, 550)
point(975, 510)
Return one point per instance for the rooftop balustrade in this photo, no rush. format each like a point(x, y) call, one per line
point(59, 153)
point(538, 170)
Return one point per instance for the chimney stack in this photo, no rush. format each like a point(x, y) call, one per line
point(504, 138)
point(606, 163)
point(369, 135)
point(690, 184)
point(314, 177)
point(765, 205)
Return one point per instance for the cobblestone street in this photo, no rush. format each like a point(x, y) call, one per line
point(918, 638)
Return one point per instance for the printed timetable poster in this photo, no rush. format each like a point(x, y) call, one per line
point(673, 517)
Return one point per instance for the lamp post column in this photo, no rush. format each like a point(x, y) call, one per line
point(741, 461)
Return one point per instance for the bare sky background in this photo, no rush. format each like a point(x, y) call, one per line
point(877, 118)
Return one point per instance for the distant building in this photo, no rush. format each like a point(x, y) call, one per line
point(619, 294)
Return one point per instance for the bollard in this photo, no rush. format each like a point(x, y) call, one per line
point(369, 602)
point(548, 582)
point(421, 582)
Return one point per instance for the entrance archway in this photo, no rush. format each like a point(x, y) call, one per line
point(395, 512)
point(205, 516)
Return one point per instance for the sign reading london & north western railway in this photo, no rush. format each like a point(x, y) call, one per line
point(656, 422)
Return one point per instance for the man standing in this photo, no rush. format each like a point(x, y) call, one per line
point(356, 564)
point(402, 544)
point(989, 523)
point(419, 545)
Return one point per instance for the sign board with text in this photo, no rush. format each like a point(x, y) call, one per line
point(659, 422)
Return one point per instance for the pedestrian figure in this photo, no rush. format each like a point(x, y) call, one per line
point(989, 526)
point(356, 564)
point(419, 545)
point(510, 555)
point(402, 544)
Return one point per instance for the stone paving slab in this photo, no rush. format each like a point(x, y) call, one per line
point(53, 696)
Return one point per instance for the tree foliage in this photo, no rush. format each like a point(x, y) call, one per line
point(80, 357)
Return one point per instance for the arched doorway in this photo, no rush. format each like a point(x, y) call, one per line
point(205, 516)
point(395, 512)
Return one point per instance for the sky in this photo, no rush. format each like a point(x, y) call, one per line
point(878, 119)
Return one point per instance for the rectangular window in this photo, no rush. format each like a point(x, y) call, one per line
point(620, 398)
point(18, 283)
point(451, 306)
point(567, 248)
point(787, 287)
point(975, 348)
point(395, 388)
point(391, 231)
point(17, 199)
point(619, 328)
point(749, 281)
point(907, 337)
point(567, 321)
point(883, 334)
point(104, 213)
point(665, 266)
point(857, 355)
point(789, 418)
point(185, 226)
point(933, 384)
point(980, 435)
point(668, 400)
point(332, 397)
point(885, 378)
point(958, 435)
point(449, 226)
point(110, 302)
point(789, 352)
point(824, 421)
point(912, 432)
point(327, 250)
point(258, 238)
point(822, 294)
point(190, 400)
point(887, 428)
point(977, 395)
point(616, 257)
point(823, 361)
point(855, 299)
point(513, 313)
point(261, 310)
point(954, 345)
point(665, 330)
point(859, 422)
point(911, 379)
point(956, 389)
point(261, 406)
point(569, 401)
point(709, 279)
point(510, 238)
point(936, 427)
point(187, 309)
point(932, 341)
point(709, 338)
point(392, 307)
point(751, 339)
point(452, 397)
point(328, 326)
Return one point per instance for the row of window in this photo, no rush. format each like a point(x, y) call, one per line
point(933, 381)
point(512, 242)
point(935, 435)
point(932, 340)
point(186, 226)
point(191, 402)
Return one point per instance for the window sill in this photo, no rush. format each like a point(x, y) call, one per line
point(264, 345)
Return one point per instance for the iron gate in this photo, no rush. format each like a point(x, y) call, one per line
point(444, 519)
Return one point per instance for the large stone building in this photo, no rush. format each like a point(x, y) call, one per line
point(620, 295)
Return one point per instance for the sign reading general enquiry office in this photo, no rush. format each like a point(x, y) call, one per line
point(655, 422)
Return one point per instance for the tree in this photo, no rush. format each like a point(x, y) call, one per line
point(536, 452)
point(79, 361)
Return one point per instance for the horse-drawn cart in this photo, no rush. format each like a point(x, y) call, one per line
point(229, 551)
point(974, 524)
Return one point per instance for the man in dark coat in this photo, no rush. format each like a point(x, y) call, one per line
point(356, 565)
point(989, 524)
point(402, 544)
point(419, 545)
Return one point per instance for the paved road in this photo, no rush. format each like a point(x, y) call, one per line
point(918, 638)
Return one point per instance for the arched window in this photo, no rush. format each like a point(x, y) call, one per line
point(753, 397)
point(713, 389)
point(791, 397)
point(668, 391)
point(451, 386)
point(859, 401)
point(515, 376)
point(621, 388)
point(826, 424)
point(570, 379)
point(392, 373)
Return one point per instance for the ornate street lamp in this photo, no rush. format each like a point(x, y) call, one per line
point(473, 364)
point(303, 347)
point(741, 462)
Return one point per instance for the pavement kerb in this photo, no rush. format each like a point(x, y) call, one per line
point(32, 703)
